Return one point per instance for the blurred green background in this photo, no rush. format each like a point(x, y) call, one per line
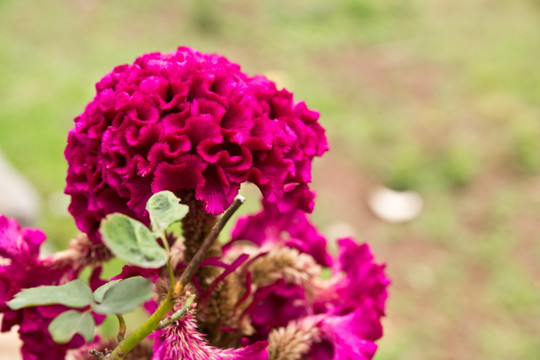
point(440, 97)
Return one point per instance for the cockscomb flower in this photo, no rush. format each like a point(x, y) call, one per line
point(196, 125)
point(191, 123)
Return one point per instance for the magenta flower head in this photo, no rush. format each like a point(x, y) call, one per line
point(190, 123)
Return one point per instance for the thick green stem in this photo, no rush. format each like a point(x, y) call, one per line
point(177, 315)
point(152, 324)
point(149, 326)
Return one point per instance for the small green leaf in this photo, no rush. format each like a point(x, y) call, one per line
point(100, 291)
point(72, 322)
point(75, 294)
point(125, 296)
point(131, 241)
point(164, 208)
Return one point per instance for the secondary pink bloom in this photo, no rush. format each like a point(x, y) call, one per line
point(291, 228)
point(187, 122)
point(278, 304)
point(352, 303)
point(20, 268)
point(347, 308)
point(357, 278)
point(344, 338)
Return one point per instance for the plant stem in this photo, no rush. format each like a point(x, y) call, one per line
point(143, 331)
point(153, 322)
point(199, 256)
point(196, 225)
point(121, 327)
point(165, 242)
point(171, 276)
point(177, 315)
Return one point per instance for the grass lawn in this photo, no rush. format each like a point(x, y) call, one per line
point(440, 97)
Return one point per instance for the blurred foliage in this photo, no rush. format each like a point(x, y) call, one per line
point(440, 97)
point(525, 146)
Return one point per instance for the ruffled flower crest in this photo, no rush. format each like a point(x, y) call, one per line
point(188, 122)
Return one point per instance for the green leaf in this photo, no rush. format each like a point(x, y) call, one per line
point(100, 291)
point(75, 294)
point(72, 322)
point(164, 208)
point(125, 296)
point(131, 241)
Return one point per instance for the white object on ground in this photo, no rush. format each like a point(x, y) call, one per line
point(395, 206)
